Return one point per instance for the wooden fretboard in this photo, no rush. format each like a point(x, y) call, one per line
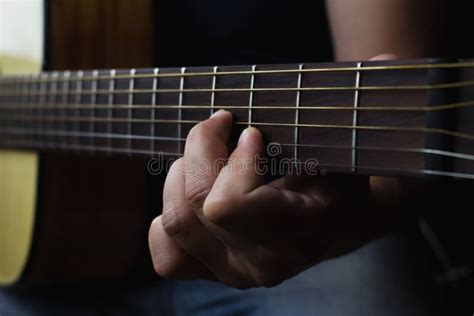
point(392, 117)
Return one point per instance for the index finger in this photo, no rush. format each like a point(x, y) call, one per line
point(205, 154)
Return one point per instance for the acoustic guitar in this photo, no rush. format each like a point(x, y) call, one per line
point(78, 146)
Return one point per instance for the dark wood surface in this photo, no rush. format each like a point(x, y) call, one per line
point(92, 219)
point(88, 34)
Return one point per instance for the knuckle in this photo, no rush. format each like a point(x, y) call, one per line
point(198, 132)
point(177, 164)
point(173, 221)
point(218, 211)
point(196, 193)
point(155, 224)
point(176, 169)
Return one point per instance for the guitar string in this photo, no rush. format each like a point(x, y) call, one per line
point(310, 88)
point(72, 134)
point(427, 87)
point(171, 154)
point(274, 124)
point(37, 77)
point(394, 87)
point(59, 106)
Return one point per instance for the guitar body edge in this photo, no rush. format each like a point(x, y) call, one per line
point(18, 194)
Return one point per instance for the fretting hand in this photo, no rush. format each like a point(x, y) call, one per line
point(221, 221)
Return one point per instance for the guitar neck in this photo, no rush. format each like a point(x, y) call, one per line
point(384, 117)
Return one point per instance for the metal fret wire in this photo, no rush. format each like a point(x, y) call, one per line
point(110, 106)
point(252, 86)
point(153, 103)
point(41, 99)
point(10, 79)
point(54, 87)
point(26, 97)
point(355, 119)
point(78, 100)
point(129, 113)
point(92, 120)
point(65, 96)
point(180, 112)
point(213, 93)
point(53, 97)
point(297, 112)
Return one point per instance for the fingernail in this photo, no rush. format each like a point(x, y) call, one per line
point(244, 134)
point(218, 113)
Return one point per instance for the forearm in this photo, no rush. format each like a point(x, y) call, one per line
point(362, 29)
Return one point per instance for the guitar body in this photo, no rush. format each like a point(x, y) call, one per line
point(18, 189)
point(67, 218)
point(18, 186)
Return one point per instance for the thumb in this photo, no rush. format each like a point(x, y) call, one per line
point(267, 213)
